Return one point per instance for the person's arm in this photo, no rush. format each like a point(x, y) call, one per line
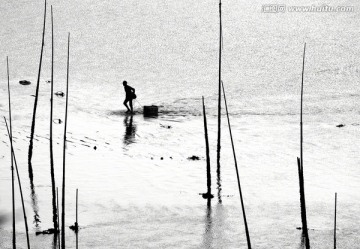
point(132, 89)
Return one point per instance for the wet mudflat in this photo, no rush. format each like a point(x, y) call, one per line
point(137, 187)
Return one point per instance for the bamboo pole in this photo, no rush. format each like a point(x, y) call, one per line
point(335, 221)
point(219, 110)
point(20, 188)
point(57, 213)
point(64, 147)
point(12, 162)
point(301, 162)
point(237, 173)
point(35, 105)
point(208, 195)
point(76, 222)
point(51, 127)
point(301, 110)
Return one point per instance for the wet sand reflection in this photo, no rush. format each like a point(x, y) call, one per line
point(130, 130)
point(218, 183)
point(34, 204)
point(208, 235)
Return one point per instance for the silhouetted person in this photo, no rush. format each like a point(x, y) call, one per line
point(129, 96)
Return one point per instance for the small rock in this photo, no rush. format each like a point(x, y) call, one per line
point(194, 158)
point(340, 125)
point(74, 227)
point(24, 82)
point(95, 147)
point(59, 94)
point(166, 126)
point(49, 231)
point(207, 196)
point(57, 121)
point(161, 158)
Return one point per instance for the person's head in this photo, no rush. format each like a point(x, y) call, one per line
point(124, 83)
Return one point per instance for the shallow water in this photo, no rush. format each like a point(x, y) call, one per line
point(131, 198)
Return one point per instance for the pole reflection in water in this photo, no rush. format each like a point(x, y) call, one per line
point(34, 204)
point(215, 223)
point(55, 241)
point(208, 234)
point(302, 241)
point(77, 239)
point(130, 130)
point(218, 183)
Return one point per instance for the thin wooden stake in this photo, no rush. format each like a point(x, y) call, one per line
point(76, 222)
point(301, 162)
point(301, 109)
point(52, 172)
point(12, 162)
point(31, 176)
point(335, 221)
point(57, 213)
point(219, 109)
point(237, 173)
point(76, 209)
point(208, 195)
point(64, 148)
point(302, 202)
point(20, 188)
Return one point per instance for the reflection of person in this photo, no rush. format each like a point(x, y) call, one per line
point(129, 96)
point(130, 130)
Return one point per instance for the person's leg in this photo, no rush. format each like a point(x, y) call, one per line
point(131, 105)
point(125, 104)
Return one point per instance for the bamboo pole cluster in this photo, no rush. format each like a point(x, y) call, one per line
point(55, 200)
point(208, 195)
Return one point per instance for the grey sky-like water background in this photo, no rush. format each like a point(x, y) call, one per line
point(168, 50)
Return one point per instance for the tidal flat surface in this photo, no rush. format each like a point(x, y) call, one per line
point(137, 188)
